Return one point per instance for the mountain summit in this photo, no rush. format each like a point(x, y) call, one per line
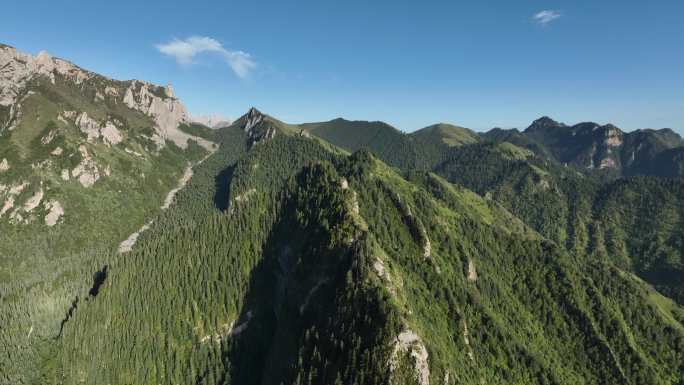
point(544, 123)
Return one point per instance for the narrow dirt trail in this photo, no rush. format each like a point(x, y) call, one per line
point(127, 245)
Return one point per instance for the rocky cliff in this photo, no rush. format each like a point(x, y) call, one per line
point(63, 127)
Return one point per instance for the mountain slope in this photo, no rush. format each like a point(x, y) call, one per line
point(326, 268)
point(589, 146)
point(325, 253)
point(563, 204)
point(642, 223)
point(84, 162)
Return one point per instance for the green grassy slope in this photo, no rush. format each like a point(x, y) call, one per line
point(448, 134)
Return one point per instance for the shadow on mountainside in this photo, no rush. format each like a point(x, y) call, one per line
point(222, 182)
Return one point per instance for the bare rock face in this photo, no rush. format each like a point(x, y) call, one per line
point(55, 211)
point(10, 193)
point(19, 213)
point(93, 129)
point(472, 273)
point(111, 134)
point(86, 171)
point(167, 113)
point(88, 126)
point(409, 342)
point(613, 137)
point(111, 91)
point(255, 130)
point(4, 165)
point(254, 117)
point(17, 69)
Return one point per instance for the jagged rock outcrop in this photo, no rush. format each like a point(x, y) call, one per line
point(10, 194)
point(86, 171)
point(88, 126)
point(17, 68)
point(255, 124)
point(93, 129)
point(111, 134)
point(167, 112)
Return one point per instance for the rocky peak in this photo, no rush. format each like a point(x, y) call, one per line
point(257, 126)
point(612, 135)
point(252, 119)
point(544, 123)
point(169, 91)
point(17, 69)
point(167, 112)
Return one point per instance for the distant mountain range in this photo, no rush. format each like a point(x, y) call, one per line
point(212, 121)
point(138, 246)
point(591, 146)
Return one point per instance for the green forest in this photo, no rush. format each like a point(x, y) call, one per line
point(313, 255)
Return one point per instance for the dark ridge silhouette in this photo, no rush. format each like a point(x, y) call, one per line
point(222, 181)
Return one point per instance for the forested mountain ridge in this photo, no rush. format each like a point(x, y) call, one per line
point(325, 253)
point(568, 205)
point(326, 268)
point(589, 146)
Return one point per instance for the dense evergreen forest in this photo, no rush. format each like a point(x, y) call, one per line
point(637, 221)
point(394, 259)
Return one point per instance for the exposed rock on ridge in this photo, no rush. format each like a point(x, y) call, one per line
point(17, 68)
point(254, 124)
point(167, 112)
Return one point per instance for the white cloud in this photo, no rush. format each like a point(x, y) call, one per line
point(184, 51)
point(546, 16)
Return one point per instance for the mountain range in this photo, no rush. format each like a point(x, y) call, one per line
point(138, 246)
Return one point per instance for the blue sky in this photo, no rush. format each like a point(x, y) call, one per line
point(478, 64)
